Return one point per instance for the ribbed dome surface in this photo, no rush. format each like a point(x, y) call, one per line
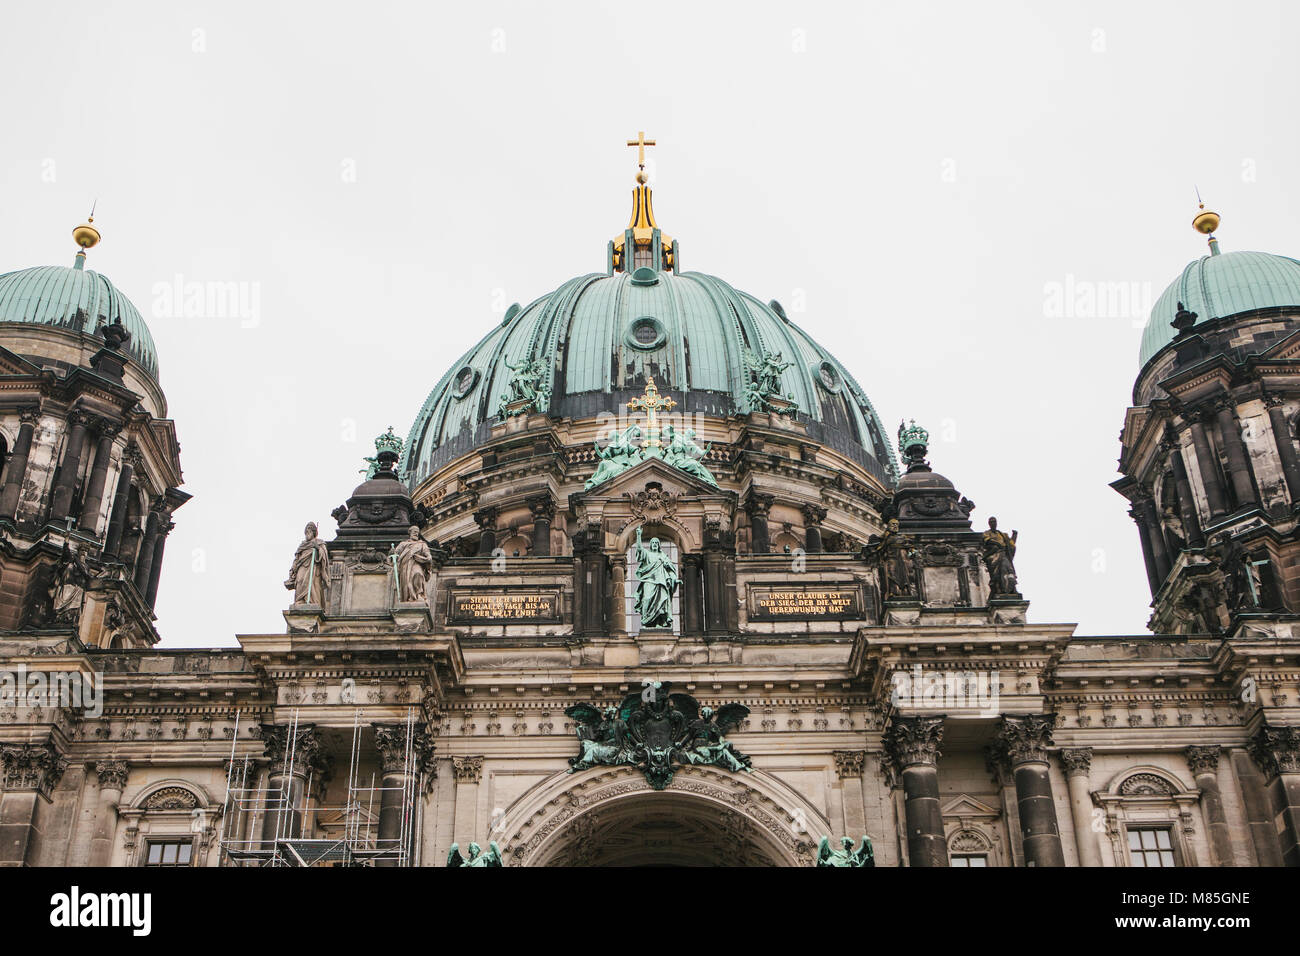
point(74, 299)
point(601, 335)
point(1217, 286)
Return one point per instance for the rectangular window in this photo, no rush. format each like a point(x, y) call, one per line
point(1151, 846)
point(969, 859)
point(169, 853)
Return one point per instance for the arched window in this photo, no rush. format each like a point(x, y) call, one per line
point(631, 617)
point(1150, 819)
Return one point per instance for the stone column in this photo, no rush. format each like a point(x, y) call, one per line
point(469, 771)
point(692, 606)
point(1026, 740)
point(145, 553)
point(1186, 503)
point(1146, 508)
point(1078, 770)
point(165, 528)
point(1154, 579)
point(589, 548)
point(98, 478)
point(1277, 751)
point(112, 781)
point(617, 595)
point(813, 516)
point(30, 774)
point(1204, 764)
point(290, 761)
point(1208, 463)
point(1255, 803)
point(717, 544)
point(543, 509)
point(1239, 473)
point(401, 779)
point(66, 483)
point(117, 516)
point(913, 743)
point(849, 765)
point(486, 519)
point(17, 473)
point(757, 506)
point(1285, 446)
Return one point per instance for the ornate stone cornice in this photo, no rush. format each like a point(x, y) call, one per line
point(850, 763)
point(390, 741)
point(468, 769)
point(112, 774)
point(1027, 738)
point(1276, 749)
point(914, 741)
point(1203, 759)
point(32, 767)
point(1077, 761)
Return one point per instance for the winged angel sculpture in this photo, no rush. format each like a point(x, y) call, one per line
point(656, 731)
point(476, 856)
point(846, 855)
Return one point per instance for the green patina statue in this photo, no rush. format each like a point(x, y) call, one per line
point(681, 451)
point(528, 389)
point(656, 582)
point(476, 856)
point(764, 389)
point(846, 855)
point(656, 731)
point(619, 454)
point(386, 444)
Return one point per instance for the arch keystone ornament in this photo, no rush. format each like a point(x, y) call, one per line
point(656, 731)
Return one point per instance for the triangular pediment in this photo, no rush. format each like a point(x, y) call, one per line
point(1287, 349)
point(11, 363)
point(635, 479)
point(964, 805)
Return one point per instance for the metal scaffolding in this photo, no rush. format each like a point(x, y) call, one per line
point(281, 825)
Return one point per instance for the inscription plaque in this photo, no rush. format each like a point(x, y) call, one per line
point(500, 606)
point(798, 603)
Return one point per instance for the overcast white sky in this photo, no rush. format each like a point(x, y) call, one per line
point(383, 179)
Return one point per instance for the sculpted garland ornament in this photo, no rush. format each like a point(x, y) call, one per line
point(654, 731)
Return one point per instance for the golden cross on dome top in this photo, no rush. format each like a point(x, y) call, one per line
point(640, 143)
point(651, 403)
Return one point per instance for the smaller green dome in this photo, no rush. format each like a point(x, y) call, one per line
point(1217, 286)
point(75, 299)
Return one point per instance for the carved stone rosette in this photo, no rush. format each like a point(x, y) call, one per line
point(468, 769)
point(1203, 759)
point(29, 767)
point(1077, 761)
point(914, 741)
point(1027, 738)
point(850, 763)
point(390, 741)
point(1276, 749)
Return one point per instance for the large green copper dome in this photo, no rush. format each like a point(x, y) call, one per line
point(602, 335)
point(1217, 286)
point(77, 300)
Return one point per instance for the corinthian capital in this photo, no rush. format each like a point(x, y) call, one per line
point(112, 774)
point(1027, 738)
point(391, 742)
point(1203, 759)
point(1276, 749)
point(914, 741)
point(468, 769)
point(32, 767)
point(1077, 761)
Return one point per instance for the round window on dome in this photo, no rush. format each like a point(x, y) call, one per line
point(464, 381)
point(827, 376)
point(646, 333)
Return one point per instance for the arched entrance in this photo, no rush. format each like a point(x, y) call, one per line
point(706, 817)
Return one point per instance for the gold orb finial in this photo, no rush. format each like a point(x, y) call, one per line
point(1206, 221)
point(86, 235)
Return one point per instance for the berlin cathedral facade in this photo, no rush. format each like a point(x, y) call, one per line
point(649, 582)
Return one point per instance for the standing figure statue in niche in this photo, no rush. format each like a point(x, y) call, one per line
point(656, 582)
point(68, 586)
point(682, 453)
point(619, 454)
point(999, 553)
point(310, 570)
point(414, 563)
point(892, 551)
